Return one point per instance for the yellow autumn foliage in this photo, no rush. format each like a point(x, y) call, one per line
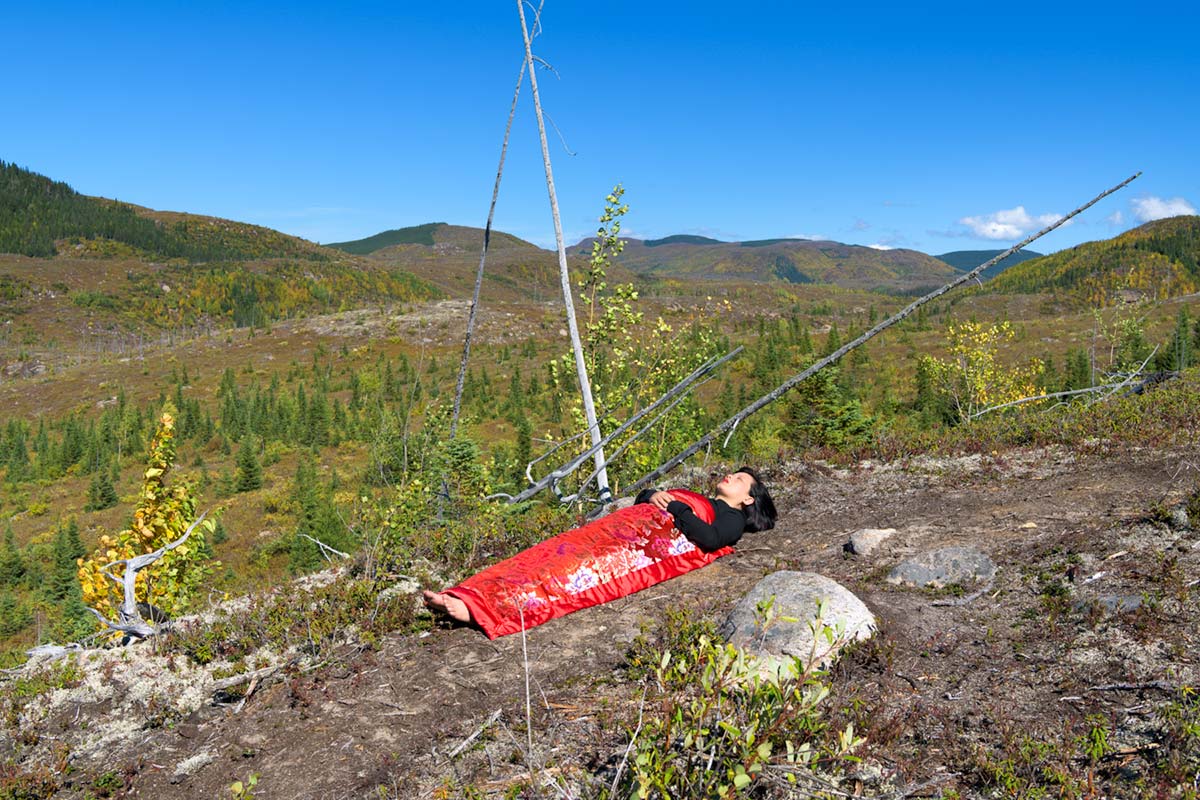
point(973, 377)
point(162, 515)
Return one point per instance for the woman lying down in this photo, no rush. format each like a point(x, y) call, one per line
point(663, 535)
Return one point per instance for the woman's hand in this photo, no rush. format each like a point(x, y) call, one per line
point(660, 500)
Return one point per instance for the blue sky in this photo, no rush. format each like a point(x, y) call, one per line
point(937, 128)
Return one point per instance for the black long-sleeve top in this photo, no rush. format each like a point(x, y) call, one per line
point(729, 523)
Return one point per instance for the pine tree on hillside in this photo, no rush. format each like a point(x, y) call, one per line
point(317, 518)
point(62, 569)
point(74, 543)
point(101, 493)
point(12, 565)
point(14, 615)
point(249, 470)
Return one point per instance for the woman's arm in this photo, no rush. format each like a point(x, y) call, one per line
point(728, 525)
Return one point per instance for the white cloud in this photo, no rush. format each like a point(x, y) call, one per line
point(808, 237)
point(1116, 218)
point(1152, 208)
point(1013, 223)
point(880, 247)
point(861, 225)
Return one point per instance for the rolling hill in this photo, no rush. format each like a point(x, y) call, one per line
point(791, 260)
point(447, 256)
point(71, 262)
point(1160, 259)
point(41, 217)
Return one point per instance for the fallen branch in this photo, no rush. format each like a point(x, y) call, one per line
point(237, 680)
point(487, 723)
point(1162, 686)
point(325, 549)
point(795, 380)
point(556, 475)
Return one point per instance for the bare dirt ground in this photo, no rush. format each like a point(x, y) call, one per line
point(939, 684)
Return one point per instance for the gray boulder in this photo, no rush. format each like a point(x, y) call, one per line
point(947, 566)
point(866, 541)
point(796, 595)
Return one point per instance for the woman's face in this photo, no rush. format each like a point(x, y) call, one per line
point(735, 488)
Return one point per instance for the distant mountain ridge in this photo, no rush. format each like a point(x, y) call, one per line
point(447, 256)
point(686, 257)
point(432, 234)
point(1160, 259)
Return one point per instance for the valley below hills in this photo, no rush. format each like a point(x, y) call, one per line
point(305, 392)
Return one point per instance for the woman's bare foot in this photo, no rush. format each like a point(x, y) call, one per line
point(447, 604)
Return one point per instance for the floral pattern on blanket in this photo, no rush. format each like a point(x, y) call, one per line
point(610, 556)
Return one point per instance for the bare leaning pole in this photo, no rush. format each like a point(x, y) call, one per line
point(585, 386)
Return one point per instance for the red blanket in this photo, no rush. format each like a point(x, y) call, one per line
point(625, 552)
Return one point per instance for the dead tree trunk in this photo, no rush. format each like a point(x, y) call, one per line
point(129, 617)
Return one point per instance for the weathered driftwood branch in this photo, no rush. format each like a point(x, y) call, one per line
point(487, 238)
point(795, 380)
point(129, 618)
point(625, 445)
point(236, 680)
point(1162, 686)
point(1138, 387)
point(326, 550)
point(465, 743)
point(585, 385)
point(556, 475)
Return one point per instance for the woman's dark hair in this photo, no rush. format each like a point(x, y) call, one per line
point(761, 514)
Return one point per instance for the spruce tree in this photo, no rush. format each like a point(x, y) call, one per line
point(101, 493)
point(249, 470)
point(14, 615)
point(12, 566)
point(63, 568)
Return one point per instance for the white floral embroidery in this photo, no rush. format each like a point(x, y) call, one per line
point(580, 580)
point(681, 544)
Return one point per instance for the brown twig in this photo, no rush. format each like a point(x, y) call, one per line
point(1162, 686)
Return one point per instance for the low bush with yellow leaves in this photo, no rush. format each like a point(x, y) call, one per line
point(162, 515)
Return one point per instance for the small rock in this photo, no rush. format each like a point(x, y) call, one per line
point(796, 595)
point(866, 541)
point(1179, 519)
point(190, 766)
point(939, 568)
point(1111, 604)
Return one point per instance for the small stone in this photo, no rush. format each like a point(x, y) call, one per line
point(940, 568)
point(1179, 519)
point(866, 541)
point(1111, 604)
point(1029, 525)
point(190, 766)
